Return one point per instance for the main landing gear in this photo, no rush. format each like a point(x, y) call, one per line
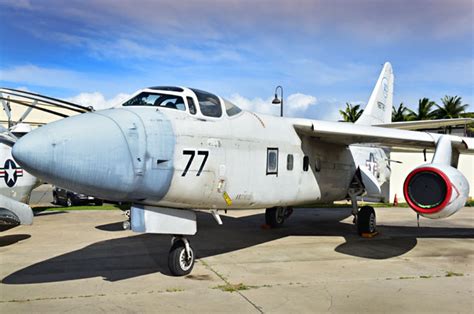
point(364, 219)
point(276, 216)
point(181, 256)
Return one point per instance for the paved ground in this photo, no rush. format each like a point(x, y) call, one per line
point(83, 262)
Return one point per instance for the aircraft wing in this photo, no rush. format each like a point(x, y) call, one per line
point(349, 133)
point(426, 124)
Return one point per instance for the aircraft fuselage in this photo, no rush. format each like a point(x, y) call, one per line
point(165, 157)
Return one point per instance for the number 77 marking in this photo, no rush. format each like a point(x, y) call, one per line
point(206, 154)
point(192, 153)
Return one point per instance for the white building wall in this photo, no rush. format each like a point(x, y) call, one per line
point(412, 160)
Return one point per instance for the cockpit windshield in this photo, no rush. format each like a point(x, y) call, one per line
point(157, 100)
point(209, 103)
point(231, 109)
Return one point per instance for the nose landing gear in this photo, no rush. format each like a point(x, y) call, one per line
point(181, 257)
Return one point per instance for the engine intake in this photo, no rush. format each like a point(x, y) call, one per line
point(436, 190)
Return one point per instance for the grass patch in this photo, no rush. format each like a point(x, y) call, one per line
point(233, 287)
point(174, 290)
point(453, 274)
point(403, 277)
point(426, 277)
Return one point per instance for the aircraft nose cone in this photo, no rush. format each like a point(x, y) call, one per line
point(86, 153)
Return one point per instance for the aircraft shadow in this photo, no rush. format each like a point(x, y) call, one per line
point(49, 213)
point(12, 238)
point(142, 254)
point(115, 226)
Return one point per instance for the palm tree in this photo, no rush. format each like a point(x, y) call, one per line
point(351, 113)
point(399, 114)
point(424, 111)
point(452, 107)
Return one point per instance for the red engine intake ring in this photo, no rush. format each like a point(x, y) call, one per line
point(449, 191)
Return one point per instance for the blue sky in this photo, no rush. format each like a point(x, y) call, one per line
point(324, 53)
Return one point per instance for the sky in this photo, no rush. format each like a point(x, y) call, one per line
point(323, 53)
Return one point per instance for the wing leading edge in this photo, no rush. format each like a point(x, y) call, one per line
point(348, 134)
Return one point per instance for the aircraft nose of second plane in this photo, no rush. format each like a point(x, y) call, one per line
point(86, 153)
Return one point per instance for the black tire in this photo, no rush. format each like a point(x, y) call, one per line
point(126, 225)
point(275, 216)
point(366, 220)
point(55, 199)
point(69, 202)
point(99, 202)
point(177, 263)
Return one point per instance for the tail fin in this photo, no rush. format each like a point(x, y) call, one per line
point(379, 107)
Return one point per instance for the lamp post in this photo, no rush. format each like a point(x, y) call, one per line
point(277, 101)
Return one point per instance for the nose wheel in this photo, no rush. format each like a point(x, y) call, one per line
point(181, 257)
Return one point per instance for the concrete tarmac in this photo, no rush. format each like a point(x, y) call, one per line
point(83, 262)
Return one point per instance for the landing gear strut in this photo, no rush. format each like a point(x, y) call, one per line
point(181, 256)
point(276, 216)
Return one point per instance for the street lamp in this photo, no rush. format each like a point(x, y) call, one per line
point(277, 101)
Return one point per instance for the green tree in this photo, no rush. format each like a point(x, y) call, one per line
point(351, 113)
point(400, 113)
point(452, 108)
point(425, 110)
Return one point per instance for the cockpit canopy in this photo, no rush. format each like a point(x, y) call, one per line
point(158, 100)
point(184, 99)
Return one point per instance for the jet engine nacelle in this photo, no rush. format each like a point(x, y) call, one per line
point(436, 190)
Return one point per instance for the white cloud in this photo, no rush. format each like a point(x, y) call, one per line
point(299, 102)
point(257, 104)
point(294, 105)
point(23, 88)
point(97, 100)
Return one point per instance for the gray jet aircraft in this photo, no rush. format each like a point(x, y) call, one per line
point(173, 150)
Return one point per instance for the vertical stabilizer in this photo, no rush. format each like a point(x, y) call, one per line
point(379, 107)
